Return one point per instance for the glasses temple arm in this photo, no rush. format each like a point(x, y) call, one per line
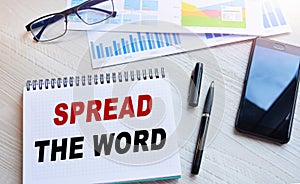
point(44, 23)
point(92, 3)
point(47, 21)
point(112, 13)
point(55, 18)
point(69, 11)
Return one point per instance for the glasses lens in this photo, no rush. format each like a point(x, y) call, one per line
point(49, 28)
point(93, 12)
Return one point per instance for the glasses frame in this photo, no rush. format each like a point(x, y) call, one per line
point(64, 14)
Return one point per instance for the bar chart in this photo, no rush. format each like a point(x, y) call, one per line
point(272, 14)
point(214, 35)
point(133, 43)
point(115, 48)
point(148, 5)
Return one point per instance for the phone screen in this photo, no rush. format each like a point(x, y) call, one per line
point(268, 100)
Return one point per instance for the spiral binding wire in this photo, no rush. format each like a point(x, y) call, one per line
point(95, 79)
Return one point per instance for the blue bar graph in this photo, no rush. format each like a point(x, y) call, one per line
point(166, 39)
point(265, 21)
point(134, 43)
point(127, 47)
point(152, 41)
point(93, 50)
point(157, 40)
point(175, 39)
point(149, 40)
point(272, 15)
point(115, 47)
point(119, 49)
point(273, 19)
point(98, 52)
point(280, 16)
point(110, 51)
point(140, 41)
point(144, 42)
point(101, 50)
point(208, 35)
point(161, 38)
point(131, 43)
point(169, 39)
point(217, 35)
point(178, 38)
point(124, 45)
point(107, 52)
point(214, 35)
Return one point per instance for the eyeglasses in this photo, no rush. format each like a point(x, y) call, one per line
point(53, 26)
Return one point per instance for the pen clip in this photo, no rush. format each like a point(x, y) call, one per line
point(195, 85)
point(191, 83)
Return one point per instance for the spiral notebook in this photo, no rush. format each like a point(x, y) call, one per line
point(102, 128)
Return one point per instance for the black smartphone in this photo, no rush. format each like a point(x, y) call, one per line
point(270, 90)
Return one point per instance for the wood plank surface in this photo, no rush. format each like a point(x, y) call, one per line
point(229, 157)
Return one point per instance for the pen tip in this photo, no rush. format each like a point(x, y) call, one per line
point(212, 84)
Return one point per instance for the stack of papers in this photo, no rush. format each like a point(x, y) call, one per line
point(149, 28)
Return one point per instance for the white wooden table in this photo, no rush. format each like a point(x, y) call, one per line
point(229, 157)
